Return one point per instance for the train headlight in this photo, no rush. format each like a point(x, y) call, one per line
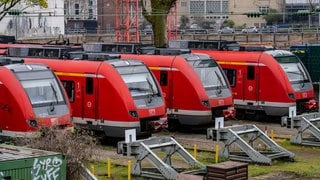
point(205, 103)
point(32, 123)
point(291, 95)
point(133, 113)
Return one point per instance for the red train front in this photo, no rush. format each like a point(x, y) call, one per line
point(195, 89)
point(266, 82)
point(109, 97)
point(31, 98)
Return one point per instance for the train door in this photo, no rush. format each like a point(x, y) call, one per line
point(164, 80)
point(89, 98)
point(73, 87)
point(250, 84)
point(80, 92)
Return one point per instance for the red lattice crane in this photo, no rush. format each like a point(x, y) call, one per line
point(172, 24)
point(127, 21)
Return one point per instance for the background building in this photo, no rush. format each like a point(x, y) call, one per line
point(238, 9)
point(34, 21)
point(100, 16)
point(81, 16)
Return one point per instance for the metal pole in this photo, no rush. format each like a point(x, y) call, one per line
point(309, 19)
point(16, 23)
point(284, 11)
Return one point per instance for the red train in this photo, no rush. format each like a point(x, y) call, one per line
point(267, 82)
point(31, 98)
point(109, 97)
point(194, 86)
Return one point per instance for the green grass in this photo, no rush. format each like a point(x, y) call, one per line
point(306, 164)
point(117, 172)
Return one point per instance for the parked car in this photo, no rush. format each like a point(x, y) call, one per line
point(268, 29)
point(147, 31)
point(178, 31)
point(197, 31)
point(226, 30)
point(250, 29)
point(285, 28)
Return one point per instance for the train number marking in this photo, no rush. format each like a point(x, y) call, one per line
point(89, 104)
point(152, 111)
point(221, 102)
point(304, 95)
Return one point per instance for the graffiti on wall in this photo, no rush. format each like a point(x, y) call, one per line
point(47, 168)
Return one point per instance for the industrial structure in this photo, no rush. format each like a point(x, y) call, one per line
point(124, 17)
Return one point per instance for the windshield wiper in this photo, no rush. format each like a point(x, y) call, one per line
point(220, 82)
point(150, 86)
point(54, 92)
point(302, 73)
point(152, 90)
point(55, 96)
point(303, 76)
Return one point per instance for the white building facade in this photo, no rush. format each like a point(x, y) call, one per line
point(34, 21)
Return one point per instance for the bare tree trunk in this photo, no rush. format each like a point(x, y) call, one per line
point(157, 16)
point(159, 30)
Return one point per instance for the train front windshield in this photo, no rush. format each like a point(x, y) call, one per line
point(294, 69)
point(43, 89)
point(210, 74)
point(139, 80)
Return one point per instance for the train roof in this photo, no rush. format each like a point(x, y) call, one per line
point(244, 56)
point(26, 67)
point(178, 61)
point(125, 62)
point(278, 53)
point(40, 51)
point(82, 66)
point(195, 56)
point(205, 44)
point(234, 55)
point(96, 56)
point(117, 47)
point(10, 60)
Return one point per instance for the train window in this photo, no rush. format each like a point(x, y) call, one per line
point(69, 87)
point(250, 75)
point(109, 48)
point(89, 85)
point(231, 75)
point(51, 53)
point(163, 78)
point(35, 52)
